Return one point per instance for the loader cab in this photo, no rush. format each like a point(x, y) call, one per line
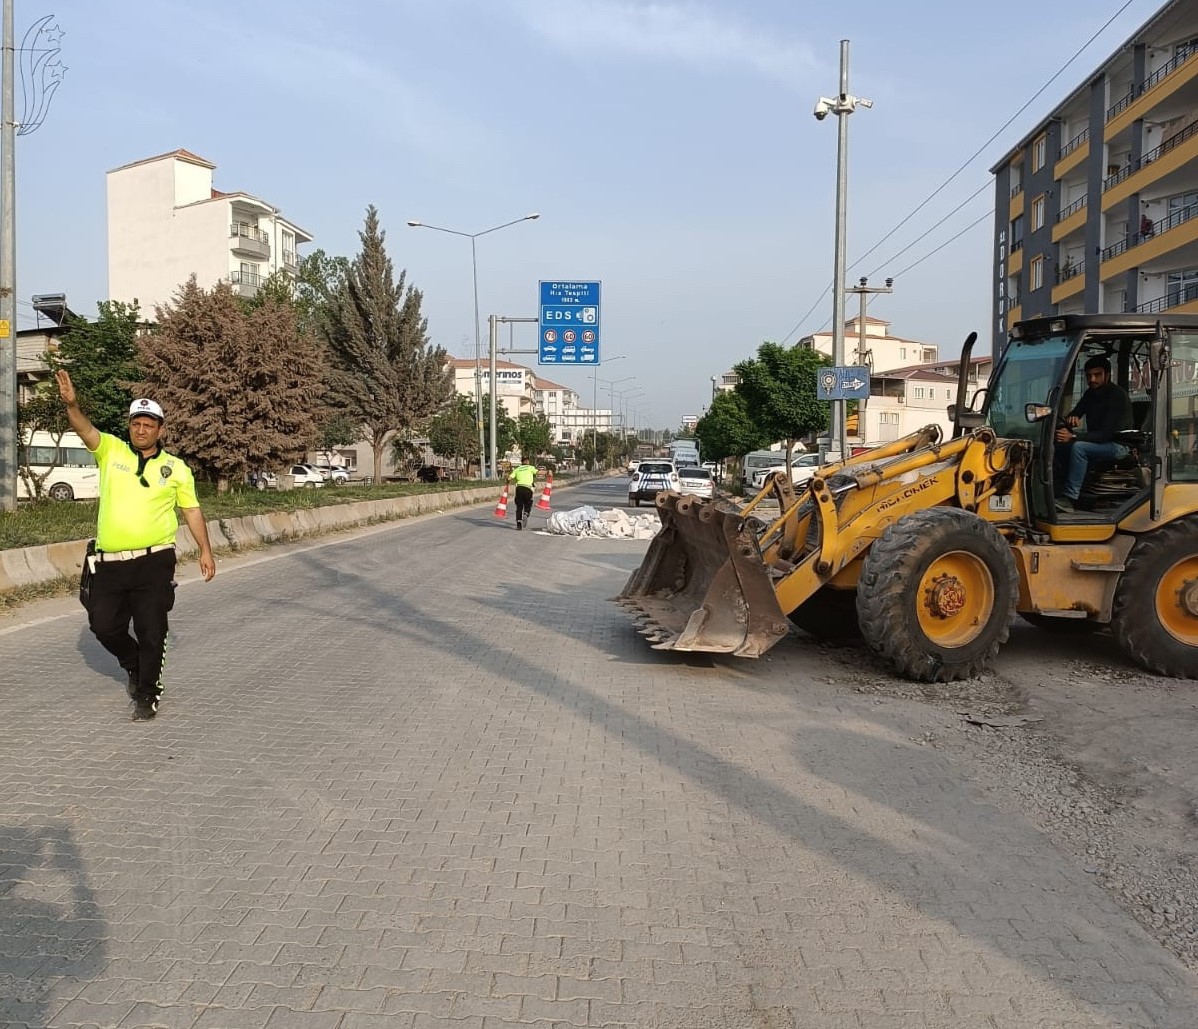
point(1040, 378)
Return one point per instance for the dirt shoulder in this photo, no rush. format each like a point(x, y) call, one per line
point(1101, 756)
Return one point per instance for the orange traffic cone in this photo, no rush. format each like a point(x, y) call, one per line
point(543, 503)
point(501, 507)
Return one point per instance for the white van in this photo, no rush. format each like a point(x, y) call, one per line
point(73, 474)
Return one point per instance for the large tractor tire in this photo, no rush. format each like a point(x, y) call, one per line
point(829, 615)
point(1155, 617)
point(937, 594)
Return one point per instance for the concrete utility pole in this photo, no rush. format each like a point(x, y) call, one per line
point(8, 273)
point(842, 105)
point(863, 289)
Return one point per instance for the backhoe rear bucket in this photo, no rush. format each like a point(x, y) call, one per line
point(703, 585)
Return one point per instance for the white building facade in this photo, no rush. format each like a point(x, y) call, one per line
point(881, 351)
point(166, 223)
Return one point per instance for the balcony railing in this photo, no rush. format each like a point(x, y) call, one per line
point(1177, 297)
point(1134, 166)
point(289, 258)
point(1167, 69)
point(248, 232)
point(1016, 244)
point(1016, 189)
point(1075, 142)
point(1157, 76)
point(1070, 270)
point(1133, 239)
point(1122, 104)
point(1073, 208)
point(246, 279)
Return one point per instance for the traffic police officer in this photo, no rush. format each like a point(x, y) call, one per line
point(141, 485)
point(523, 475)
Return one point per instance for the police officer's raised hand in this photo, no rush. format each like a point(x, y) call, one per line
point(66, 388)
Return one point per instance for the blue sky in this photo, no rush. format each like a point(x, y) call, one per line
point(669, 147)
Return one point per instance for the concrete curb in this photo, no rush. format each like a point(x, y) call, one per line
point(31, 566)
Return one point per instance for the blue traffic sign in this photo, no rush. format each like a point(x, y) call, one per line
point(568, 332)
point(847, 382)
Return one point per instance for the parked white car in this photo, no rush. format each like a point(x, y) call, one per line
point(697, 482)
point(306, 476)
point(802, 470)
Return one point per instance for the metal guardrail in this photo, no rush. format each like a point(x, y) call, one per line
point(1016, 190)
point(240, 278)
point(1122, 104)
point(248, 231)
point(1016, 244)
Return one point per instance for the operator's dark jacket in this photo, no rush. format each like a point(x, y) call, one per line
point(1107, 411)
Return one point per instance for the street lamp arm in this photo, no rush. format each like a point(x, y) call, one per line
point(416, 224)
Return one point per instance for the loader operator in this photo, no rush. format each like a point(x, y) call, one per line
point(1106, 407)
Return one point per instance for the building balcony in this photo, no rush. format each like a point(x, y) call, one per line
point(1138, 248)
point(1137, 102)
point(1071, 219)
point(290, 260)
point(245, 240)
point(245, 284)
point(1178, 298)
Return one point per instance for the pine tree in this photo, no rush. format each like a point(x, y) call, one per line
point(386, 375)
point(240, 386)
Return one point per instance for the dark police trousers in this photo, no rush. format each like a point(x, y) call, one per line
point(140, 590)
point(523, 503)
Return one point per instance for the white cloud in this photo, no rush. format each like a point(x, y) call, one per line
point(665, 31)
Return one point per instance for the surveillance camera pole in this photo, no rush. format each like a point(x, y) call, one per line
point(863, 289)
point(842, 107)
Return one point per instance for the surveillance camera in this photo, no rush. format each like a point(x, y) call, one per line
point(821, 111)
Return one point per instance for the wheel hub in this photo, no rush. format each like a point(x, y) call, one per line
point(947, 596)
point(1187, 596)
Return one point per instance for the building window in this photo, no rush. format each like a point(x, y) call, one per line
point(1016, 233)
point(1038, 213)
point(1039, 152)
point(1036, 272)
point(931, 393)
point(919, 393)
point(902, 353)
point(1017, 176)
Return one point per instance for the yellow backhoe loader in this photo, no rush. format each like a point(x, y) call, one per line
point(928, 547)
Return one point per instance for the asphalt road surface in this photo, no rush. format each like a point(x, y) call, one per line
point(427, 775)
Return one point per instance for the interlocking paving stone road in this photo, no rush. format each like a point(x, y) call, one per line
point(429, 776)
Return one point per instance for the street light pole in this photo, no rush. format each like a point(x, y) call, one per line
point(478, 345)
point(8, 272)
point(842, 106)
point(595, 408)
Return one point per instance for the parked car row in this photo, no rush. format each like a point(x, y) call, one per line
point(305, 475)
point(651, 477)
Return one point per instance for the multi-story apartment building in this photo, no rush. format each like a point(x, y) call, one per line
point(881, 351)
point(1096, 209)
point(558, 404)
point(166, 223)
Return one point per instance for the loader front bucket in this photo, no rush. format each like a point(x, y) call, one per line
point(703, 585)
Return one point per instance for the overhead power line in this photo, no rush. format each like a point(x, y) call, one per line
point(939, 189)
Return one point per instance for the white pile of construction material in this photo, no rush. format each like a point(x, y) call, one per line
point(588, 522)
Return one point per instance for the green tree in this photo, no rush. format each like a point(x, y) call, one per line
point(452, 431)
point(317, 283)
point(779, 388)
point(726, 430)
point(534, 434)
point(386, 376)
point(505, 428)
point(102, 359)
point(241, 387)
point(334, 431)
